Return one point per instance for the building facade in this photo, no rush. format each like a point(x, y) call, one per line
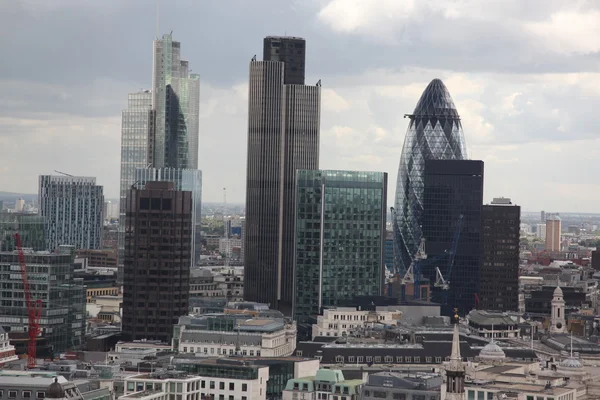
point(233, 334)
point(62, 321)
point(499, 276)
point(283, 136)
point(394, 385)
point(158, 230)
point(434, 132)
point(553, 230)
point(137, 127)
point(73, 210)
point(160, 134)
point(344, 321)
point(340, 238)
point(326, 384)
point(452, 199)
point(31, 228)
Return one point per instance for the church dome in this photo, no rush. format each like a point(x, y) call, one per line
point(571, 363)
point(492, 352)
point(558, 291)
point(55, 390)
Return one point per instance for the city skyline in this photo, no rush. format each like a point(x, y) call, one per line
point(523, 99)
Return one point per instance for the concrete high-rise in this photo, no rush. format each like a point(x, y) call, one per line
point(553, 229)
point(160, 134)
point(499, 275)
point(73, 210)
point(452, 203)
point(283, 137)
point(434, 133)
point(158, 249)
point(340, 239)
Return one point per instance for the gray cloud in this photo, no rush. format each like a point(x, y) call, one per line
point(526, 98)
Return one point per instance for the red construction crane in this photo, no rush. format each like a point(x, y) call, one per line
point(34, 307)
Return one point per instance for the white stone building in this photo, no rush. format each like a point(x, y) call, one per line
point(343, 321)
point(221, 334)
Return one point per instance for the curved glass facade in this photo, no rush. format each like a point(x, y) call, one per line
point(435, 132)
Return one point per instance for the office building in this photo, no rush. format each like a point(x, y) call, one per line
point(73, 210)
point(30, 226)
point(283, 136)
point(188, 180)
point(452, 202)
point(395, 385)
point(158, 231)
point(326, 384)
point(540, 231)
point(499, 276)
point(62, 321)
point(434, 133)
point(553, 229)
point(160, 134)
point(340, 239)
point(235, 334)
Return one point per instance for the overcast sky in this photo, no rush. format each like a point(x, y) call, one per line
point(524, 75)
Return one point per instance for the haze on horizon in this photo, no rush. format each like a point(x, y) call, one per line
point(523, 75)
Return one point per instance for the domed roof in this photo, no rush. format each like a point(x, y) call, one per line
point(570, 363)
point(558, 291)
point(492, 351)
point(55, 390)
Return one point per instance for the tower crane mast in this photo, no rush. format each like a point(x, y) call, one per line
point(34, 307)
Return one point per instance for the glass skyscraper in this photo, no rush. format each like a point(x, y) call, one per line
point(160, 132)
point(31, 227)
point(283, 137)
point(340, 238)
point(453, 188)
point(434, 133)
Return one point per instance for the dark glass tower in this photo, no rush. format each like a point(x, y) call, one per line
point(283, 137)
point(434, 133)
point(453, 188)
point(289, 50)
point(499, 281)
point(340, 239)
point(158, 250)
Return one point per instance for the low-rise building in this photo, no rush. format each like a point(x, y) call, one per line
point(7, 351)
point(219, 380)
point(226, 282)
point(395, 385)
point(326, 384)
point(493, 324)
point(106, 308)
point(342, 321)
point(28, 385)
point(228, 334)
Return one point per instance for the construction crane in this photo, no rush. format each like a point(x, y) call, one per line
point(34, 308)
point(413, 274)
point(440, 281)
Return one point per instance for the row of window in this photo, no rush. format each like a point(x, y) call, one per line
point(386, 359)
point(26, 394)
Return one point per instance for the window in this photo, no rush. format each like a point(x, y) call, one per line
point(339, 359)
point(369, 359)
point(212, 384)
point(399, 359)
point(231, 386)
point(490, 396)
point(130, 386)
point(399, 396)
point(203, 384)
point(221, 385)
point(379, 395)
point(12, 394)
point(389, 359)
point(377, 359)
point(39, 395)
point(438, 359)
point(359, 359)
point(427, 359)
point(26, 394)
point(417, 359)
point(480, 395)
point(244, 387)
point(351, 359)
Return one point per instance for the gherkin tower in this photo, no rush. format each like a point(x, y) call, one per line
point(434, 132)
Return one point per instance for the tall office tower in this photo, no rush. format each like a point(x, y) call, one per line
point(340, 239)
point(499, 277)
point(158, 249)
point(434, 133)
point(72, 207)
point(62, 320)
point(176, 100)
point(453, 188)
point(189, 180)
point(543, 216)
point(283, 137)
point(137, 127)
point(160, 133)
point(553, 229)
point(31, 227)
